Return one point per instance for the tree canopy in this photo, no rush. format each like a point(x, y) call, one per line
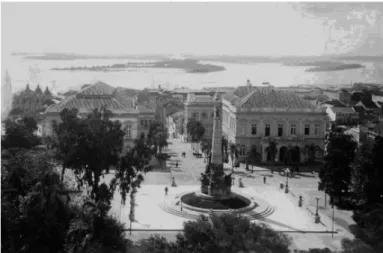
point(20, 134)
point(223, 233)
point(335, 176)
point(195, 129)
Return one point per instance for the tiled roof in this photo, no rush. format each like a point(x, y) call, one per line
point(266, 97)
point(98, 88)
point(93, 97)
point(334, 102)
point(342, 110)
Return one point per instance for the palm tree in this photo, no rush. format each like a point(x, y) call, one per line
point(195, 129)
point(253, 157)
point(272, 149)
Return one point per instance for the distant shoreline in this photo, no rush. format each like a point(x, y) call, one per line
point(188, 65)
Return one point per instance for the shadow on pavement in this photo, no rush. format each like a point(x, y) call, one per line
point(305, 175)
point(279, 224)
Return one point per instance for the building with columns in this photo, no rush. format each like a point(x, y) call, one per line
point(201, 108)
point(135, 118)
point(254, 115)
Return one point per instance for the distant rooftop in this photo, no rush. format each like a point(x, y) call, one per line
point(343, 110)
point(193, 98)
point(98, 95)
point(266, 97)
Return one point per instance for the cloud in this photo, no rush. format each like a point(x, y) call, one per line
point(352, 28)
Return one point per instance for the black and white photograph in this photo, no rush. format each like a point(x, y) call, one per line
point(191, 127)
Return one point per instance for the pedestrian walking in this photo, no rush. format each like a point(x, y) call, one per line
point(166, 191)
point(264, 180)
point(176, 164)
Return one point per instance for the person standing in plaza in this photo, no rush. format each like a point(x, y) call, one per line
point(176, 164)
point(166, 191)
point(264, 179)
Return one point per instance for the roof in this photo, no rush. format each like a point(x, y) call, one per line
point(370, 104)
point(193, 98)
point(95, 96)
point(358, 108)
point(218, 89)
point(343, 110)
point(184, 90)
point(266, 97)
point(98, 88)
point(334, 102)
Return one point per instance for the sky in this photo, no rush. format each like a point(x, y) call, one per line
point(268, 29)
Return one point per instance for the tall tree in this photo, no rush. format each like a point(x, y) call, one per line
point(35, 213)
point(335, 176)
point(160, 140)
point(220, 233)
point(20, 134)
point(195, 129)
point(96, 143)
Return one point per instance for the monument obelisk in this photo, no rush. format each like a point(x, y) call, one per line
point(219, 184)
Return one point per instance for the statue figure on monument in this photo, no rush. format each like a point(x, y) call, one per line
point(216, 112)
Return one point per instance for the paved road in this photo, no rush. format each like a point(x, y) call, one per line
point(189, 170)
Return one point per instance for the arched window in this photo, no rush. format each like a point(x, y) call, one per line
point(204, 115)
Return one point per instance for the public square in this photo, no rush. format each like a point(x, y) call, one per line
point(287, 216)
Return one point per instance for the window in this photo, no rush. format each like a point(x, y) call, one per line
point(307, 129)
point(316, 131)
point(267, 130)
point(212, 115)
point(243, 128)
point(253, 129)
point(128, 131)
point(242, 150)
point(293, 129)
point(194, 115)
point(280, 130)
point(204, 116)
point(146, 123)
point(142, 122)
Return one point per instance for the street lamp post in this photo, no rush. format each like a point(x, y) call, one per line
point(333, 220)
point(317, 218)
point(287, 183)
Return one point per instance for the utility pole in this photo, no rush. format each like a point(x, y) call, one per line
point(332, 221)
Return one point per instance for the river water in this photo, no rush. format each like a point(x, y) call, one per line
point(23, 71)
